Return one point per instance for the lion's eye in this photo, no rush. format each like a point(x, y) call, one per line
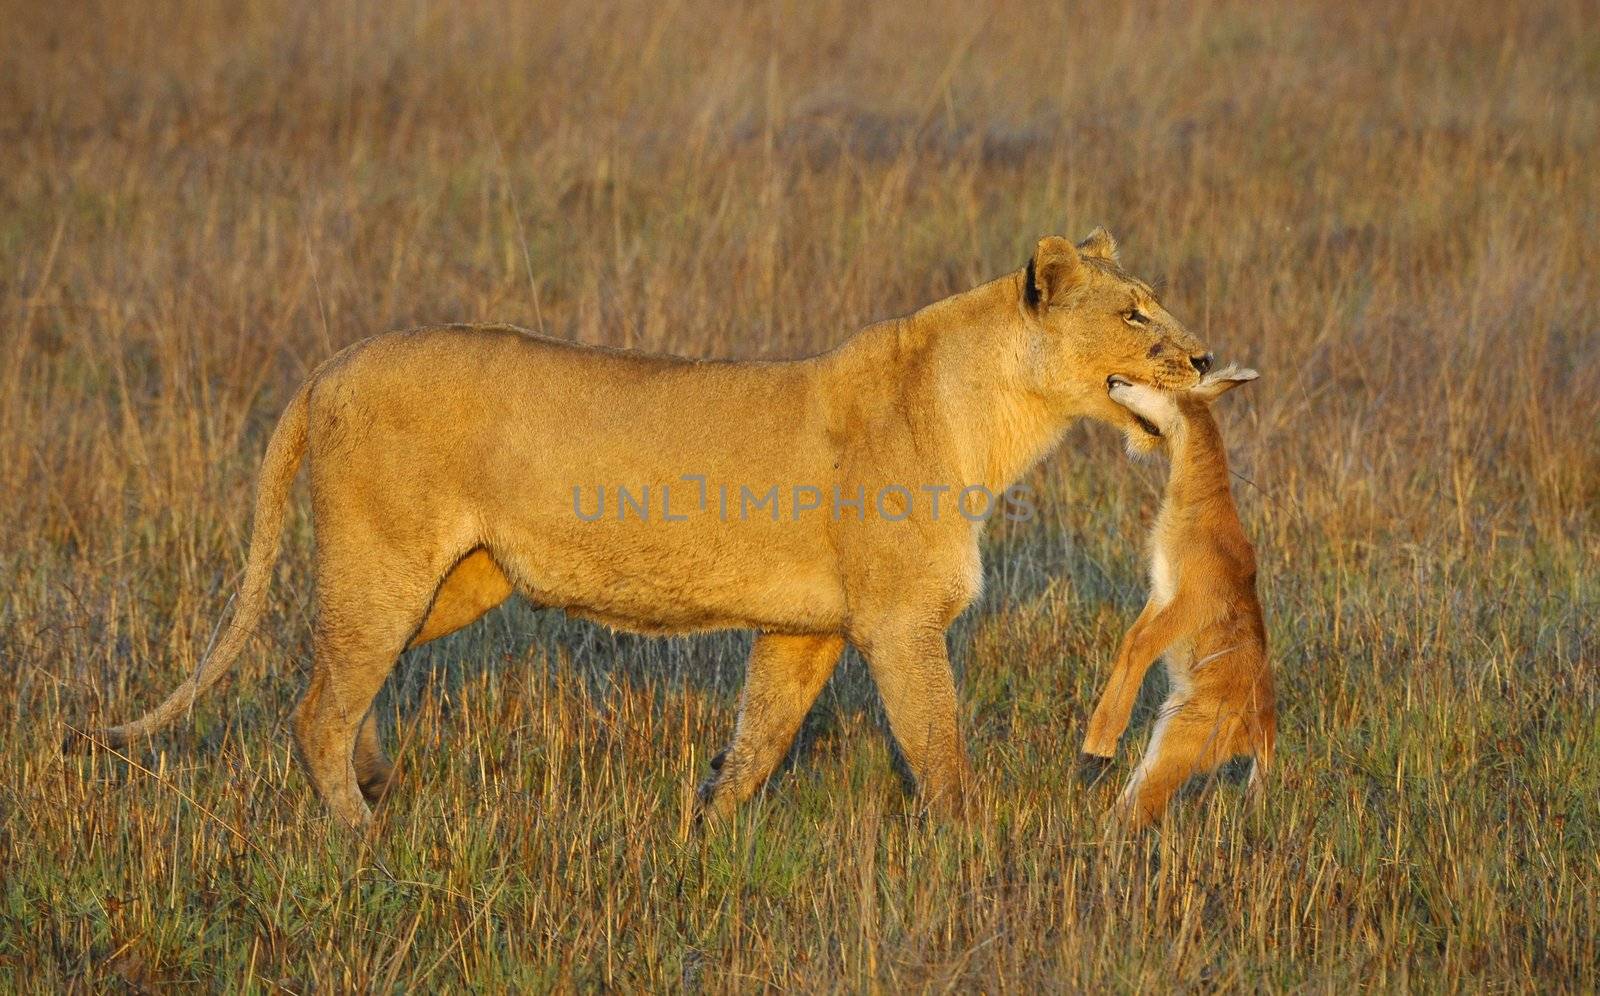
point(1133, 316)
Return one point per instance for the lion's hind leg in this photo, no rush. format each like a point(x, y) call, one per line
point(374, 769)
point(474, 586)
point(368, 607)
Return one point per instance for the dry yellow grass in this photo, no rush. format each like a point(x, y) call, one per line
point(1391, 211)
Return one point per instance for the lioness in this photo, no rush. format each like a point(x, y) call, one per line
point(452, 465)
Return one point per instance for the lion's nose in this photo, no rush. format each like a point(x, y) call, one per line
point(1201, 363)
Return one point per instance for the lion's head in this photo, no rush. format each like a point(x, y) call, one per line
point(1089, 320)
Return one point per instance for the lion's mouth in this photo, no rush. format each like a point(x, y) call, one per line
point(1116, 380)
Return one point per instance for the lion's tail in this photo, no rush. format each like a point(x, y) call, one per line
point(278, 471)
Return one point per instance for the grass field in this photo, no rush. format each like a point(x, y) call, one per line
point(1391, 211)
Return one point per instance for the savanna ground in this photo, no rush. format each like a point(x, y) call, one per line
point(1392, 212)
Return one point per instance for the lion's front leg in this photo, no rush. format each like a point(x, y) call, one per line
point(911, 667)
point(786, 673)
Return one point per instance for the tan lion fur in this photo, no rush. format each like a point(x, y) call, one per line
point(1203, 616)
point(442, 463)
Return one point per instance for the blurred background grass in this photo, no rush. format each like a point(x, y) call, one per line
point(1391, 210)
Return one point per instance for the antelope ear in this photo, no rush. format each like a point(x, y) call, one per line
point(1054, 270)
point(1219, 382)
point(1100, 245)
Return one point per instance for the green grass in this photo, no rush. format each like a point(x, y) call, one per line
point(1390, 212)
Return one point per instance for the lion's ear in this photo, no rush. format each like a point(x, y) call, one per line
point(1054, 270)
point(1100, 245)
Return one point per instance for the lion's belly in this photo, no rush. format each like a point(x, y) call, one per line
point(644, 608)
point(658, 617)
point(653, 581)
